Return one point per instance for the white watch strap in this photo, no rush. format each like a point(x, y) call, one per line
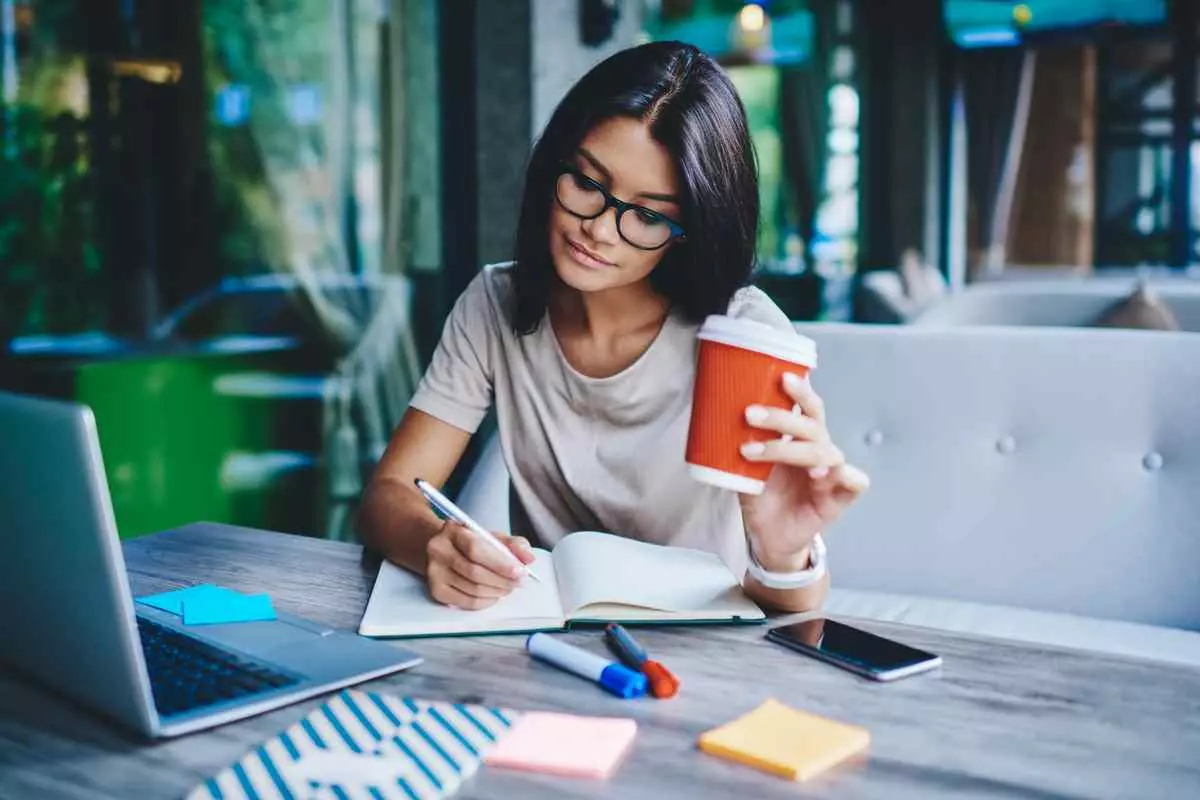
point(791, 580)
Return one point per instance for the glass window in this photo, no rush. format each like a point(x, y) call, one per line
point(1136, 155)
point(51, 274)
point(294, 134)
point(258, 138)
point(796, 68)
point(758, 87)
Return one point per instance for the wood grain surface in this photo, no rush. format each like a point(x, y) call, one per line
point(999, 719)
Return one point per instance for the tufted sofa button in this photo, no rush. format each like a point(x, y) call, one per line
point(1152, 462)
point(874, 438)
point(1006, 445)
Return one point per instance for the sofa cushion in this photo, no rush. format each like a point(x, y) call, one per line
point(1142, 309)
point(1051, 469)
point(1057, 303)
point(1129, 639)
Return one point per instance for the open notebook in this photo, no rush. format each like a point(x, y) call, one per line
point(589, 578)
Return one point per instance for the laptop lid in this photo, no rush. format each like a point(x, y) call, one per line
point(66, 613)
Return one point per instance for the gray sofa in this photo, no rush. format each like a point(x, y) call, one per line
point(1031, 483)
point(1064, 302)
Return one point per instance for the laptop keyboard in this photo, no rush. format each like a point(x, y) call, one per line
point(186, 673)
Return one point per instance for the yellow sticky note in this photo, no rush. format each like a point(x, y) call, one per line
point(785, 742)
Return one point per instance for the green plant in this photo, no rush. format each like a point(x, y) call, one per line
point(49, 262)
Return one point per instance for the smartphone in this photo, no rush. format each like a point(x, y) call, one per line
point(860, 652)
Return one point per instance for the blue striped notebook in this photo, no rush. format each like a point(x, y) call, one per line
point(366, 745)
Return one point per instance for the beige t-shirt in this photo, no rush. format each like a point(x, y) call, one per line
point(602, 454)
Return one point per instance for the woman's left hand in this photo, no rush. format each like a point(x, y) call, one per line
point(809, 486)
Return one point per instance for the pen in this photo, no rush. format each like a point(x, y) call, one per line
point(448, 509)
point(663, 684)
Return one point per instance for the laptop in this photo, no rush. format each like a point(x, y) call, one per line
point(69, 621)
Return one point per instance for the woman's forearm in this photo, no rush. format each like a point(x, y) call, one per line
point(396, 522)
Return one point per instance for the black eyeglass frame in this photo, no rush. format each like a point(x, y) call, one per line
point(677, 230)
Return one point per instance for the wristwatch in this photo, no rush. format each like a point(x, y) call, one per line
point(791, 580)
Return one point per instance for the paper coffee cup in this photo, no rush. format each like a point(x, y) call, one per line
point(741, 363)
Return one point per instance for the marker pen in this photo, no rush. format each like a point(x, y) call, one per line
point(660, 680)
point(613, 677)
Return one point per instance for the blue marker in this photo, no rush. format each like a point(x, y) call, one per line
point(613, 677)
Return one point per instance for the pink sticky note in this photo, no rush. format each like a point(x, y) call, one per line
point(562, 744)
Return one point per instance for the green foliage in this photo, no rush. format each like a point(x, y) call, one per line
point(51, 250)
point(50, 266)
point(49, 261)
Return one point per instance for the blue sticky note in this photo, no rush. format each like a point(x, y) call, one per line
point(214, 608)
point(173, 601)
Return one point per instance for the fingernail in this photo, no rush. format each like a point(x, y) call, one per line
point(756, 415)
point(818, 472)
point(794, 382)
point(859, 480)
point(753, 449)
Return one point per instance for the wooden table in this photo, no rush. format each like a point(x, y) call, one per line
point(998, 720)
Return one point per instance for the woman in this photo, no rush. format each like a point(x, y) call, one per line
point(639, 218)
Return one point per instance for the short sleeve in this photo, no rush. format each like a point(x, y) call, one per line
point(754, 304)
point(457, 386)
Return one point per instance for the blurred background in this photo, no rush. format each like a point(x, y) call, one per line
point(235, 227)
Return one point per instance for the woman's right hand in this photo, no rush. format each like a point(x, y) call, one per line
point(464, 571)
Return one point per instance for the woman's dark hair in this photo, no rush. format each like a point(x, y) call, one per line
point(694, 111)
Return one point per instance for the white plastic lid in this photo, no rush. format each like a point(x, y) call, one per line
point(761, 338)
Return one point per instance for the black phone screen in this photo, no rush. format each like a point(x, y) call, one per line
point(844, 643)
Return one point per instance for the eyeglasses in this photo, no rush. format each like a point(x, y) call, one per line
point(582, 197)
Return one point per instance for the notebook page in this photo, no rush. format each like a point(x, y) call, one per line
point(602, 569)
point(400, 605)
